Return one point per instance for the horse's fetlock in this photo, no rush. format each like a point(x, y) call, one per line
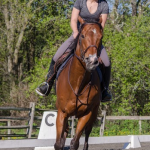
point(74, 145)
point(86, 145)
point(59, 146)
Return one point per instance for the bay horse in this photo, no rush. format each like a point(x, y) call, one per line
point(78, 87)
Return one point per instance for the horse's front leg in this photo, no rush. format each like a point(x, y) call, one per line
point(61, 125)
point(89, 126)
point(80, 127)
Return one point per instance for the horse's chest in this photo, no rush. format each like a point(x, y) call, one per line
point(89, 97)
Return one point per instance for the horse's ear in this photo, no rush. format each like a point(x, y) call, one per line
point(100, 19)
point(81, 20)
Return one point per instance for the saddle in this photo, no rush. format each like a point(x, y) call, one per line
point(61, 60)
point(64, 64)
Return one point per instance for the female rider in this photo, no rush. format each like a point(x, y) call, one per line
point(87, 9)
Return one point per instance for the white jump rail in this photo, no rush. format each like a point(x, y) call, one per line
point(131, 141)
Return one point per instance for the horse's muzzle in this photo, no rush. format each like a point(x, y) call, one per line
point(91, 62)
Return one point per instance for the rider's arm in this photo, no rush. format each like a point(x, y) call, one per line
point(74, 19)
point(104, 18)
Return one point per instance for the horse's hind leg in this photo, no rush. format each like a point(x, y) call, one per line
point(61, 124)
point(89, 126)
point(80, 127)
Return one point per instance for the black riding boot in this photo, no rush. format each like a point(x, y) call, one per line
point(106, 77)
point(45, 88)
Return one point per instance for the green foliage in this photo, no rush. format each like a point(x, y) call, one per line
point(51, 29)
point(130, 52)
point(126, 127)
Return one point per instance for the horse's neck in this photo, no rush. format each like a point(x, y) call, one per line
point(79, 77)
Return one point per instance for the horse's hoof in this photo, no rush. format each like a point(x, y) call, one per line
point(72, 147)
point(85, 146)
point(57, 147)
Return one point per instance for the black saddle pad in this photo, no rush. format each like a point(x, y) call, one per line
point(62, 66)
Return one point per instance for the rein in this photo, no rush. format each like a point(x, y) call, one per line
point(79, 94)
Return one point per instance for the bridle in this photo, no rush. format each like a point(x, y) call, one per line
point(80, 36)
point(81, 59)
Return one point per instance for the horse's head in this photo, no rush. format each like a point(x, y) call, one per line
point(89, 43)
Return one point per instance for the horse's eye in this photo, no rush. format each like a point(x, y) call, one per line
point(82, 36)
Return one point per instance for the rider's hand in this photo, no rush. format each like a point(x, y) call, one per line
point(75, 34)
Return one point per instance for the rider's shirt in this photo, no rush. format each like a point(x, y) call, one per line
point(84, 12)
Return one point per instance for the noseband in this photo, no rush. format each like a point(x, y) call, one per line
point(82, 56)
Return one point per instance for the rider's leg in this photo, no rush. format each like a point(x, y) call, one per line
point(66, 46)
point(45, 89)
point(106, 75)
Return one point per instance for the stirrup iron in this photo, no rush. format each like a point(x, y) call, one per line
point(40, 86)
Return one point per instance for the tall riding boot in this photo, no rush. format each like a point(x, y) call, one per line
point(106, 77)
point(45, 88)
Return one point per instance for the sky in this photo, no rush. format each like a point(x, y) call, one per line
point(110, 3)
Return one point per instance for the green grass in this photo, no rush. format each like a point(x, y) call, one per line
point(126, 127)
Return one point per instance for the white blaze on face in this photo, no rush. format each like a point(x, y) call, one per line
point(91, 62)
point(94, 30)
point(92, 57)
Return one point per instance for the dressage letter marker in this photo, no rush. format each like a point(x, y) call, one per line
point(46, 120)
point(48, 128)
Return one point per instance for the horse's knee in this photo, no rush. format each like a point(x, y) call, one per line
point(74, 144)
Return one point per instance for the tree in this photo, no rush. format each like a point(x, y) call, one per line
point(27, 29)
point(16, 15)
point(129, 51)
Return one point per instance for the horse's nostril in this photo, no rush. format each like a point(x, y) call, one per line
point(96, 62)
point(87, 59)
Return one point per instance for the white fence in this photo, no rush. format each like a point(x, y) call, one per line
point(31, 119)
point(104, 118)
point(132, 141)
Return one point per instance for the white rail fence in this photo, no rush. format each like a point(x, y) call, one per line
point(132, 141)
point(104, 118)
point(32, 118)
